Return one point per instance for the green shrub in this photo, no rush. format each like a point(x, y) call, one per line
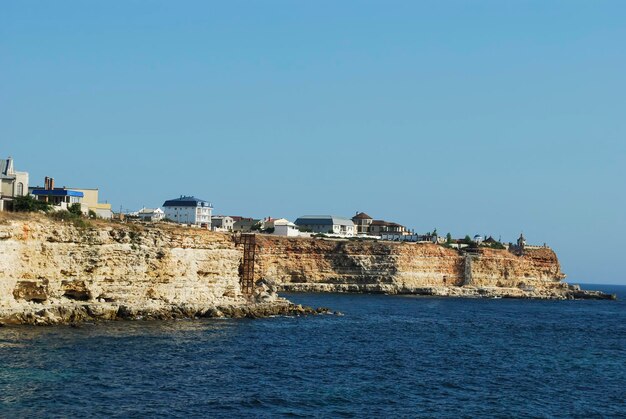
point(75, 209)
point(27, 203)
point(467, 240)
point(63, 215)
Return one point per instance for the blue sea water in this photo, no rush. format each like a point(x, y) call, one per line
point(387, 356)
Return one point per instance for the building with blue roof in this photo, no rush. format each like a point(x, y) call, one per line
point(189, 210)
point(59, 198)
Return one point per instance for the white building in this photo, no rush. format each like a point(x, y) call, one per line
point(151, 214)
point(327, 224)
point(283, 227)
point(188, 210)
point(222, 223)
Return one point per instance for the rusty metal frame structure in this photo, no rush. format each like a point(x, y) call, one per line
point(246, 278)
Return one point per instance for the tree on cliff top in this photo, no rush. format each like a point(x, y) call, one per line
point(468, 240)
point(27, 203)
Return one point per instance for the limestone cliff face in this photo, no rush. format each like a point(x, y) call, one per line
point(356, 262)
point(47, 263)
point(535, 268)
point(53, 271)
point(333, 265)
point(47, 260)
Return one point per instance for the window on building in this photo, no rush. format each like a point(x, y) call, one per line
point(20, 189)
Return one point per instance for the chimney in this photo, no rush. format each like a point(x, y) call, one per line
point(51, 183)
point(45, 183)
point(10, 169)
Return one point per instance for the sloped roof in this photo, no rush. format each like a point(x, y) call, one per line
point(57, 192)
point(247, 221)
point(362, 216)
point(149, 210)
point(324, 220)
point(284, 222)
point(385, 223)
point(187, 201)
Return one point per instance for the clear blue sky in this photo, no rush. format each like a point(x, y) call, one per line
point(489, 117)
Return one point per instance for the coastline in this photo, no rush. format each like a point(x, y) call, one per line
point(55, 272)
point(78, 312)
point(75, 313)
point(571, 292)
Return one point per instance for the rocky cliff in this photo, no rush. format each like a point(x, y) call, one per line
point(52, 272)
point(409, 268)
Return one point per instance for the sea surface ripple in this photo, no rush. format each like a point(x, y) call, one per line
point(386, 356)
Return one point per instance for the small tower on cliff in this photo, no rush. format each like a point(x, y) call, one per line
point(521, 243)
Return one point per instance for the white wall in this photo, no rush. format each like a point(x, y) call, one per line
point(286, 230)
point(189, 215)
point(336, 229)
point(347, 231)
point(107, 214)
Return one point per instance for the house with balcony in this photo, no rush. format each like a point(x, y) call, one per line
point(366, 225)
point(387, 229)
point(189, 210)
point(362, 223)
point(60, 198)
point(326, 224)
point(63, 198)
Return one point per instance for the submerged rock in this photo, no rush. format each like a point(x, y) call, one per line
point(558, 293)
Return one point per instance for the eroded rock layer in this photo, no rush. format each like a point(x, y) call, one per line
point(52, 271)
point(408, 268)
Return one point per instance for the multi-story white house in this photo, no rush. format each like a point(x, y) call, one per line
point(188, 210)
